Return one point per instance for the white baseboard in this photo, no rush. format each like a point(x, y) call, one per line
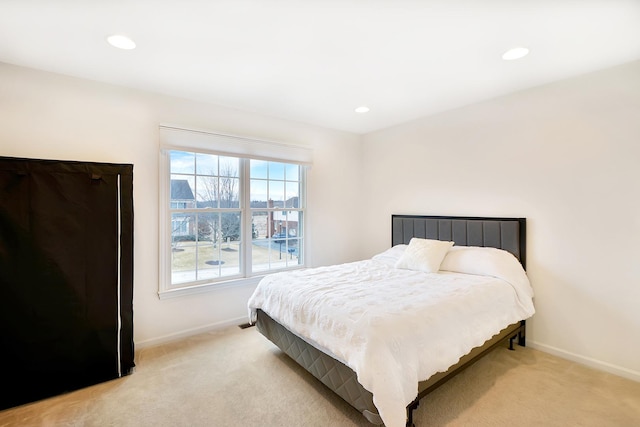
point(189, 332)
point(587, 361)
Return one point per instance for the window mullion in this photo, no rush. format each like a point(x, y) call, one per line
point(245, 215)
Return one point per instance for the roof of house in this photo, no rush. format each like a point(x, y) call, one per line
point(181, 190)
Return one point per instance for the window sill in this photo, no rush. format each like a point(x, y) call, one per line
point(208, 287)
point(216, 286)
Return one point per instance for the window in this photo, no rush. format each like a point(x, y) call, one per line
point(228, 218)
point(276, 215)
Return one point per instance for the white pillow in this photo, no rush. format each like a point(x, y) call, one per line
point(488, 262)
point(424, 255)
point(391, 255)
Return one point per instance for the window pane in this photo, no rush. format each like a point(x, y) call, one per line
point(218, 251)
point(182, 227)
point(182, 162)
point(276, 193)
point(209, 260)
point(292, 252)
point(292, 245)
point(293, 224)
point(182, 192)
point(206, 164)
point(292, 172)
point(258, 193)
point(229, 166)
point(269, 254)
point(259, 225)
point(276, 170)
point(291, 195)
point(207, 191)
point(230, 227)
point(229, 192)
point(206, 246)
point(183, 252)
point(230, 257)
point(299, 224)
point(208, 223)
point(260, 242)
point(258, 169)
point(183, 266)
point(230, 239)
point(278, 223)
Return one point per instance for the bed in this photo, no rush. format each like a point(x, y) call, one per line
point(384, 364)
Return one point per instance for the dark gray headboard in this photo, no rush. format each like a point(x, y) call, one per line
point(509, 234)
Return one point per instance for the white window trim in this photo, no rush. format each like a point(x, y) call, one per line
point(174, 138)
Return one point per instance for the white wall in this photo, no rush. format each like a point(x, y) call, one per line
point(48, 116)
point(567, 157)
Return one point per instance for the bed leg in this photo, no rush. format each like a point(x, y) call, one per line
point(511, 341)
point(412, 407)
point(522, 334)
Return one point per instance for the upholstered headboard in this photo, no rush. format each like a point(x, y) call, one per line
point(503, 233)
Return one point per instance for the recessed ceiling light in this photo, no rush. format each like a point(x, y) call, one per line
point(121, 42)
point(515, 53)
point(362, 109)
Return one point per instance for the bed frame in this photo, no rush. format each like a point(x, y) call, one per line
point(503, 233)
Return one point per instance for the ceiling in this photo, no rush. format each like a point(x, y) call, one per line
point(315, 61)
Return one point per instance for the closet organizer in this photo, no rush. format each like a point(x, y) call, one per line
point(66, 276)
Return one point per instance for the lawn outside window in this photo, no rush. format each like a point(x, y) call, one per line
point(227, 219)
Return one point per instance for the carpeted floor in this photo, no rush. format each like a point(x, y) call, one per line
point(236, 377)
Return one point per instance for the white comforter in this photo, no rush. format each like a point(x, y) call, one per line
point(393, 327)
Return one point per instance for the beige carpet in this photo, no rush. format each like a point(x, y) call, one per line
point(237, 378)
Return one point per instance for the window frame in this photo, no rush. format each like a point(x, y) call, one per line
point(246, 276)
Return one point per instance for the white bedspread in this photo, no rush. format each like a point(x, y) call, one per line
point(393, 327)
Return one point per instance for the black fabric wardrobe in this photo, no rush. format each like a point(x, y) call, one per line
point(66, 276)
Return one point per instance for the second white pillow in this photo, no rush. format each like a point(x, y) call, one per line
point(424, 255)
